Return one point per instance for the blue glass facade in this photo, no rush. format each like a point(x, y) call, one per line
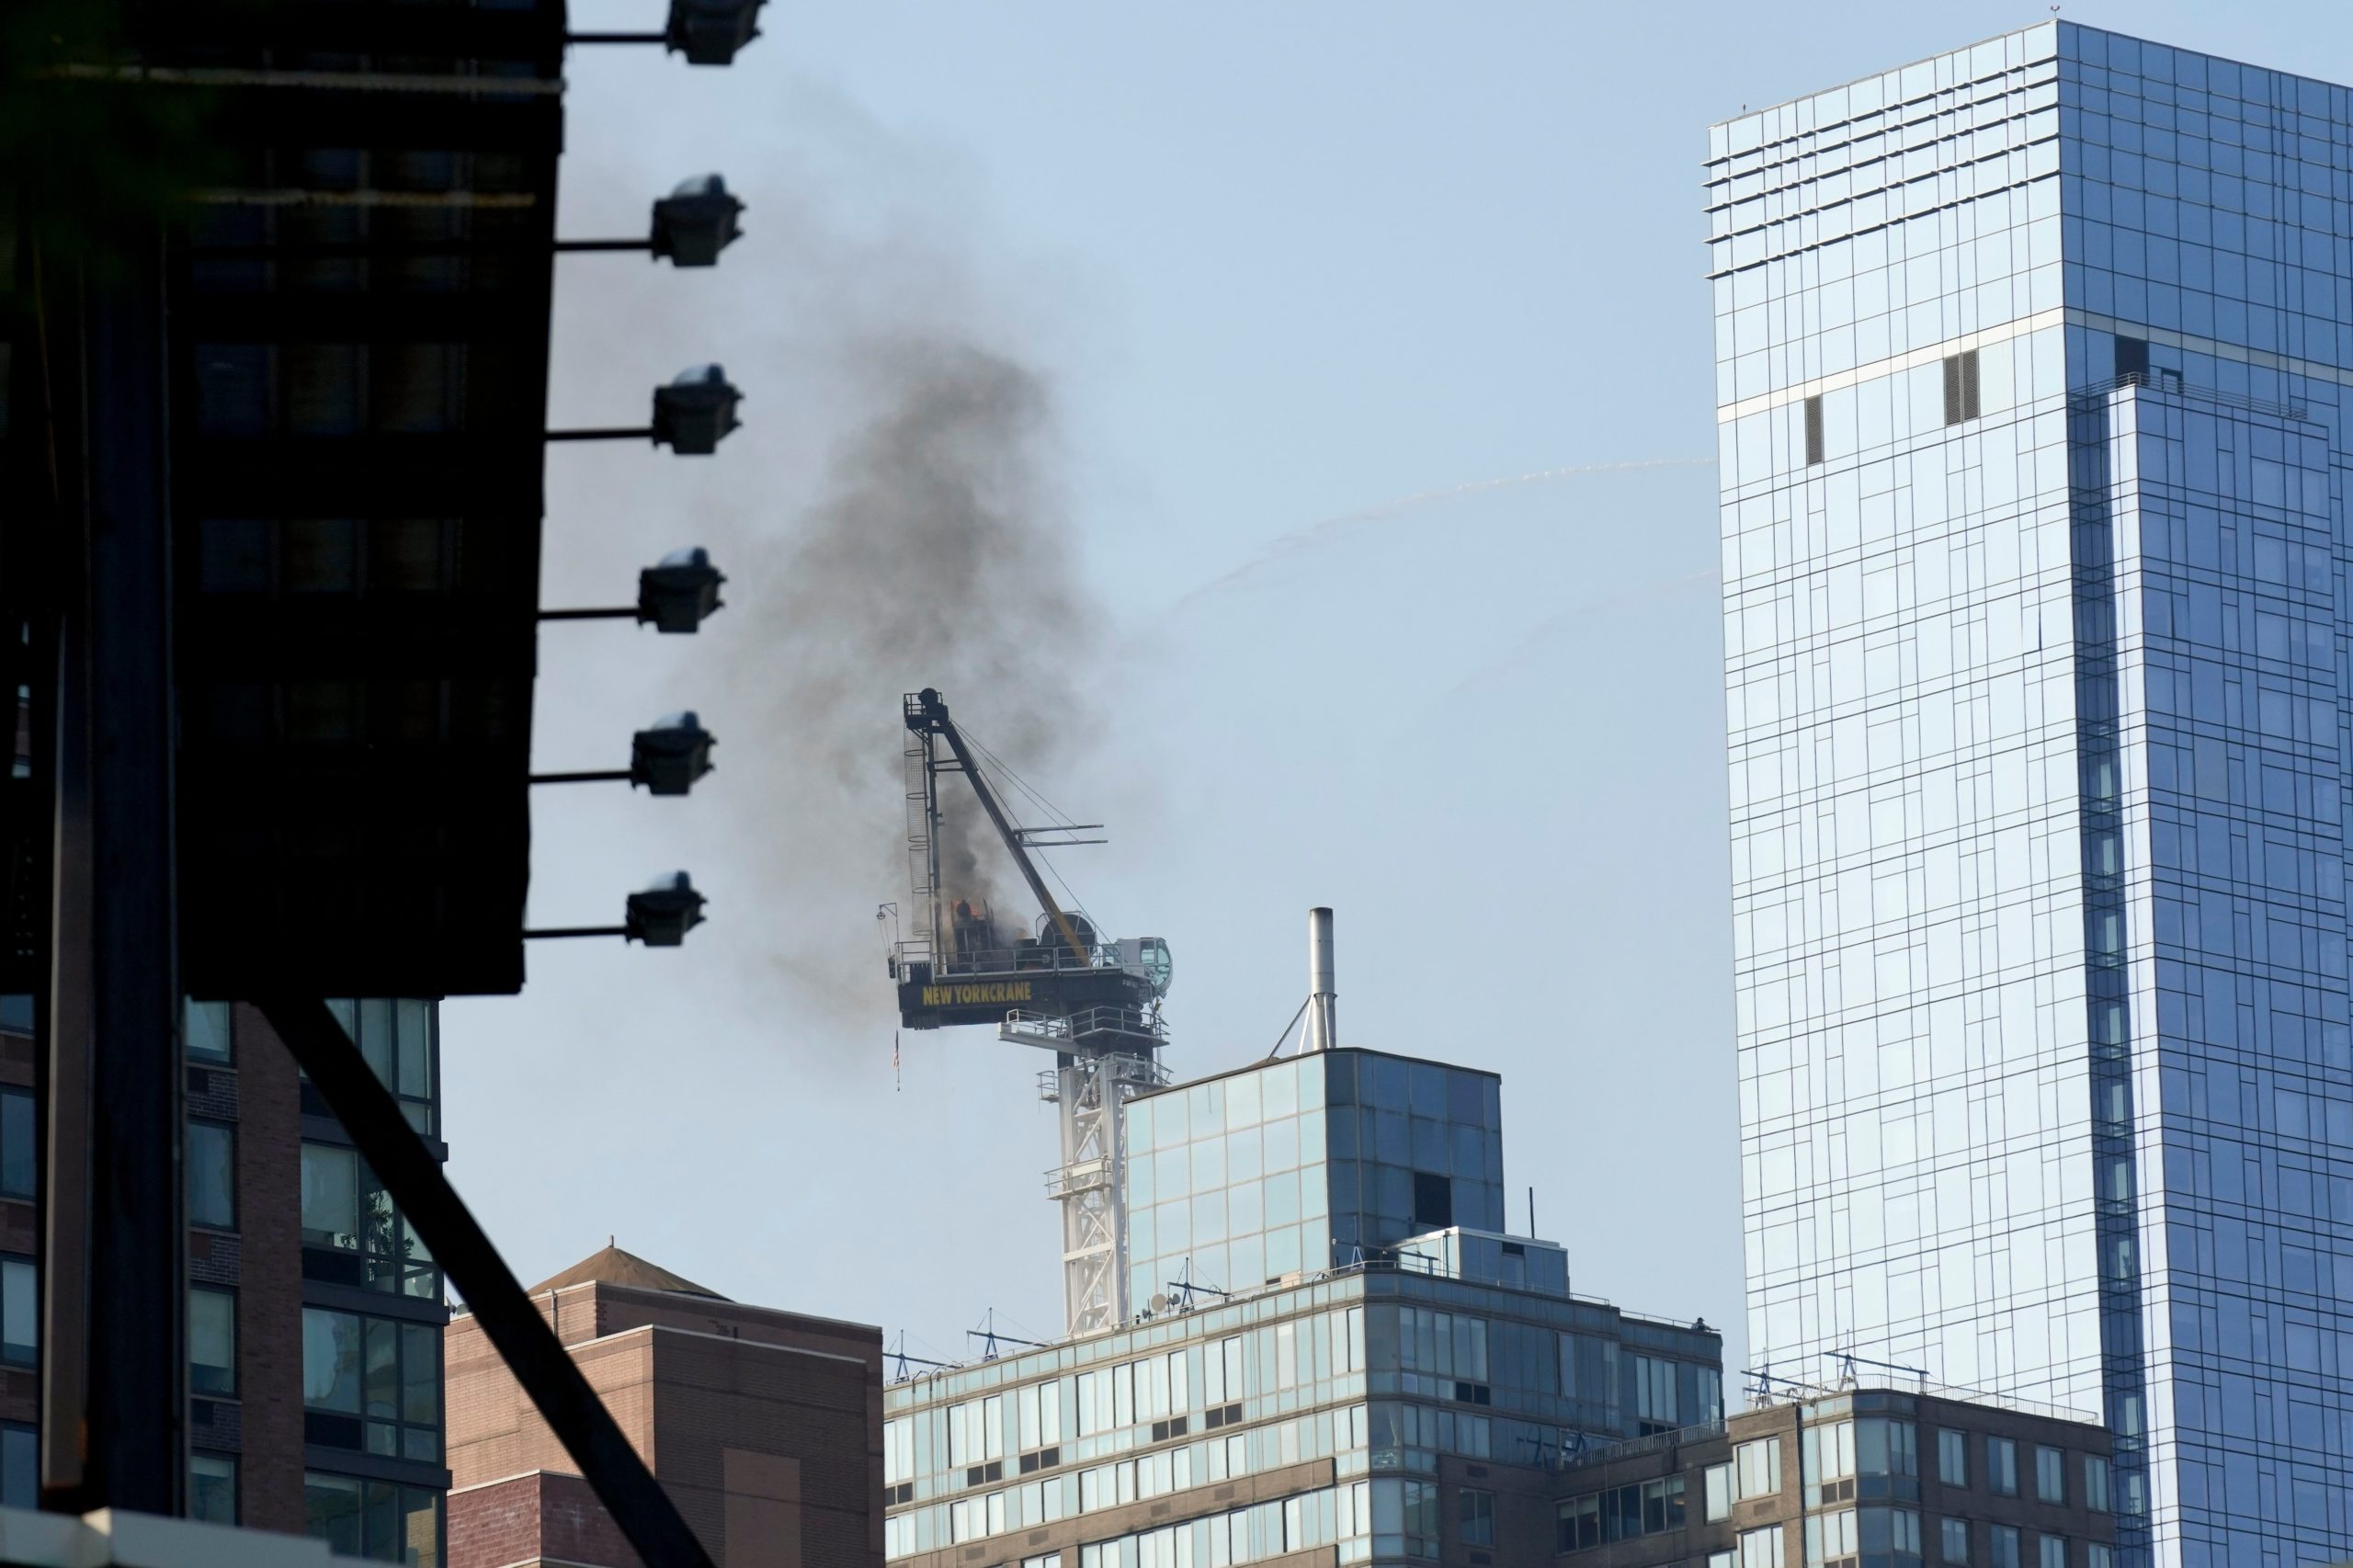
point(2032, 368)
point(1370, 1363)
point(1307, 1162)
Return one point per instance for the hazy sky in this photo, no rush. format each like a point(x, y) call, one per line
point(1279, 267)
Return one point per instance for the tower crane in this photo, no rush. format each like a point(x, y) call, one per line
point(1061, 986)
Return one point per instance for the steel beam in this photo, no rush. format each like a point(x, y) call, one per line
point(115, 1011)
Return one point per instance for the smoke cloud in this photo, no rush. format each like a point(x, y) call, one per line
point(894, 514)
point(938, 553)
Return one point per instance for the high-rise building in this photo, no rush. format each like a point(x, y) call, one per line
point(765, 1426)
point(1343, 1355)
point(2031, 366)
point(315, 1315)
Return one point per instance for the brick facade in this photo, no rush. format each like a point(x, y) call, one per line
point(765, 1427)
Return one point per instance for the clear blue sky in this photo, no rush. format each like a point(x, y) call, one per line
point(1282, 264)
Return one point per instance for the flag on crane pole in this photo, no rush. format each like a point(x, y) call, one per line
point(896, 1086)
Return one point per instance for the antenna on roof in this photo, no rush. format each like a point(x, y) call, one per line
point(902, 1360)
point(988, 1336)
point(1185, 1286)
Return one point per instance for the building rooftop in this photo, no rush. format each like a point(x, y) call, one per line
point(610, 1266)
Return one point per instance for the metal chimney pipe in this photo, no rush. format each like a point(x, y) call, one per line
point(1322, 1026)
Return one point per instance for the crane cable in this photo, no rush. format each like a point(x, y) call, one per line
point(1059, 816)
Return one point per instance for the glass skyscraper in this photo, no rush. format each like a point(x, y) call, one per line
point(2032, 365)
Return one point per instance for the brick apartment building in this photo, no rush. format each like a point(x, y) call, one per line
point(315, 1316)
point(765, 1426)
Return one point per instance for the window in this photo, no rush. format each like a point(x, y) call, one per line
point(372, 1518)
point(1813, 431)
point(352, 1234)
point(1655, 1402)
point(213, 1488)
point(1886, 1448)
point(1716, 1488)
point(2096, 1483)
point(1622, 1513)
point(1580, 1524)
point(211, 1341)
point(1830, 1537)
point(2002, 1468)
point(371, 1384)
point(396, 1037)
point(19, 1312)
point(17, 1147)
point(204, 1031)
point(1881, 1531)
point(1421, 1518)
point(2003, 1542)
point(1952, 1459)
point(1761, 1549)
point(1956, 1541)
point(1474, 1512)
point(2098, 1556)
point(211, 1165)
point(1433, 1200)
point(1727, 1558)
point(1960, 387)
point(2050, 1475)
point(2131, 357)
point(1826, 1453)
point(19, 1466)
point(2054, 1552)
point(1758, 1466)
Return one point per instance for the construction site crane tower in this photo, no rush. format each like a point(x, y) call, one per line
point(1094, 1003)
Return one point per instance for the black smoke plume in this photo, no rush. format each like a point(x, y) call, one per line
point(938, 552)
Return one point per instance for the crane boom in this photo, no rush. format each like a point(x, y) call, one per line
point(935, 713)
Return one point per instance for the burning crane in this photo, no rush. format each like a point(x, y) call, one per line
point(1060, 987)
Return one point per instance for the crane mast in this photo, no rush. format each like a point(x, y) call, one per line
point(1094, 1004)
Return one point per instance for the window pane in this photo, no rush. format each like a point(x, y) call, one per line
point(213, 1488)
point(19, 1312)
point(211, 1175)
point(16, 1165)
point(211, 1341)
point(2002, 1466)
point(330, 1196)
point(376, 1038)
point(20, 1467)
point(205, 1029)
point(420, 1527)
point(416, 1048)
point(331, 1361)
point(331, 1512)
